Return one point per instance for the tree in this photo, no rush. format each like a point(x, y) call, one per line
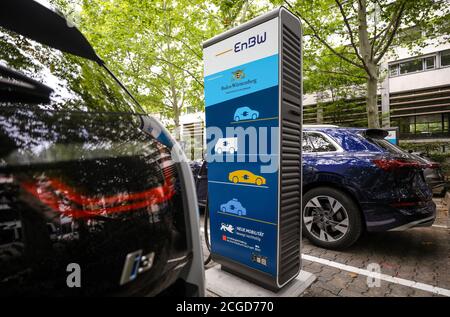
point(154, 47)
point(333, 82)
point(231, 13)
point(361, 32)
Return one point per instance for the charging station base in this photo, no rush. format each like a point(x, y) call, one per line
point(224, 284)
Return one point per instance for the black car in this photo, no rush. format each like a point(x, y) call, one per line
point(93, 199)
point(434, 176)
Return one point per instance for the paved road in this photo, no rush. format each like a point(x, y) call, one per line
point(420, 255)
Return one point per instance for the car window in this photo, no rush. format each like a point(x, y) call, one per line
point(306, 144)
point(316, 142)
point(78, 84)
point(388, 146)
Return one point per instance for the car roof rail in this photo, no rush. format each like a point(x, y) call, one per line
point(320, 126)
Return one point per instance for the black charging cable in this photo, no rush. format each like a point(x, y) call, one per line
point(205, 227)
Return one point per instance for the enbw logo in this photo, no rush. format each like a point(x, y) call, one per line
point(252, 41)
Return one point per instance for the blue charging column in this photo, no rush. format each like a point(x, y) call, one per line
point(253, 84)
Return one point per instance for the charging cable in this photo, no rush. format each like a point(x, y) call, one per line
point(205, 227)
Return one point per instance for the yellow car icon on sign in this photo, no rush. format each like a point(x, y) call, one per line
point(244, 176)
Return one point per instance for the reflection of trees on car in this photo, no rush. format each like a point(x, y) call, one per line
point(77, 83)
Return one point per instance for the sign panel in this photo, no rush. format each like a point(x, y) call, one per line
point(393, 135)
point(242, 106)
point(253, 100)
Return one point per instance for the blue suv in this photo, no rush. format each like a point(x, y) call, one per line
point(354, 181)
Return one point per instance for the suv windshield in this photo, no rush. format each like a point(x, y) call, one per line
point(78, 84)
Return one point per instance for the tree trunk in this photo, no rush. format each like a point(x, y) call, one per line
point(373, 118)
point(176, 120)
point(369, 66)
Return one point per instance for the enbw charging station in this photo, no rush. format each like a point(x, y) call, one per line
point(253, 79)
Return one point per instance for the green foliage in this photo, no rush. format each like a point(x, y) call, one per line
point(346, 41)
point(154, 46)
point(427, 147)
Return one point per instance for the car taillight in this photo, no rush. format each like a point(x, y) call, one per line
point(393, 164)
point(434, 165)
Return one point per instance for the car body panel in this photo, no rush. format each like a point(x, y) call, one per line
point(67, 185)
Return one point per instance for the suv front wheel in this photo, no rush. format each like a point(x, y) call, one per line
point(331, 219)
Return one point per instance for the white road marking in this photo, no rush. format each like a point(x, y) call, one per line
point(439, 226)
point(384, 277)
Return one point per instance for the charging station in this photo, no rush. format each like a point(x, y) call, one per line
point(253, 83)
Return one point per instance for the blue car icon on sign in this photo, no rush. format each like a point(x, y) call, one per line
point(245, 113)
point(233, 207)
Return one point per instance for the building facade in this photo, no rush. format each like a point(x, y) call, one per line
point(414, 96)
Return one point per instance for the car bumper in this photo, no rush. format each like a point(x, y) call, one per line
point(381, 217)
point(438, 187)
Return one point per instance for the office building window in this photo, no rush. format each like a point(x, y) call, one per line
point(412, 66)
point(424, 125)
point(428, 62)
point(445, 58)
point(393, 70)
point(420, 64)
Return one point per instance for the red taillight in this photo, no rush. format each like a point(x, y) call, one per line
point(393, 164)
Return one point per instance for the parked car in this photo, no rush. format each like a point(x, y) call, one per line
point(200, 173)
point(433, 173)
point(354, 181)
point(90, 189)
point(245, 113)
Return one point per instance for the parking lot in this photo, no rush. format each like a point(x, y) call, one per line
point(412, 263)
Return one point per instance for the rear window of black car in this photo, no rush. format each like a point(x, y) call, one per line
point(78, 84)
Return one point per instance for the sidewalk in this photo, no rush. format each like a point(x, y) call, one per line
point(442, 211)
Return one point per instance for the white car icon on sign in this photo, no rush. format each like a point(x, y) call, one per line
point(229, 145)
